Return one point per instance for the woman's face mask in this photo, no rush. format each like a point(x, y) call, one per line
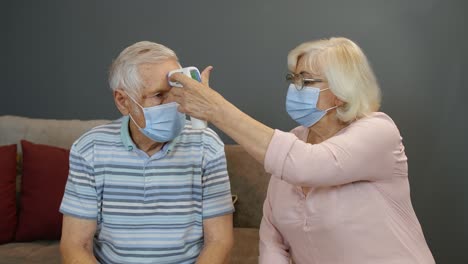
point(302, 105)
point(163, 122)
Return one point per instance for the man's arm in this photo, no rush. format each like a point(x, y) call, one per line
point(76, 245)
point(219, 240)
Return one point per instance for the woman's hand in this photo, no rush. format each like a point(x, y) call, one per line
point(197, 99)
point(200, 101)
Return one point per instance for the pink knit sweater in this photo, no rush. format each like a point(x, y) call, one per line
point(358, 210)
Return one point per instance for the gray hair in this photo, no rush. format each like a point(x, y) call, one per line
point(124, 73)
point(348, 72)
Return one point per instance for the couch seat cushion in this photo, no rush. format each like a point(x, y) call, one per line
point(31, 253)
point(245, 249)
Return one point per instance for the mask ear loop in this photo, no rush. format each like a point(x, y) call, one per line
point(130, 114)
point(134, 121)
point(333, 107)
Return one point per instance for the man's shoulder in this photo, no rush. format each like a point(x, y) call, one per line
point(206, 139)
point(200, 136)
point(105, 134)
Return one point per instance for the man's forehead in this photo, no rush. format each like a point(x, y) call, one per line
point(159, 68)
point(154, 76)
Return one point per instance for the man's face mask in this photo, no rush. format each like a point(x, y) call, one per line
point(163, 122)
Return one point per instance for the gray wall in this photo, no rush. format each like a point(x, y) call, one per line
point(55, 56)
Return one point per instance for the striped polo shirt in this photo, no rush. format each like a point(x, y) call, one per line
point(148, 209)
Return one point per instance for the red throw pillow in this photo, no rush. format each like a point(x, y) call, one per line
point(7, 193)
point(45, 172)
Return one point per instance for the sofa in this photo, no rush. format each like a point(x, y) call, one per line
point(248, 179)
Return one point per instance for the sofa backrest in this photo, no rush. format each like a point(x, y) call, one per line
point(60, 133)
point(249, 181)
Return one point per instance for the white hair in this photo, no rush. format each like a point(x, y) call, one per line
point(343, 64)
point(124, 72)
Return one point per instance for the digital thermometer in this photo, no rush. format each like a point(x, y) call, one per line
point(193, 73)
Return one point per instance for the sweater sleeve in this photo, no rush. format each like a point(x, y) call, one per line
point(364, 151)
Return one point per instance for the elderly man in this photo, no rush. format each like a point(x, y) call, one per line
point(146, 188)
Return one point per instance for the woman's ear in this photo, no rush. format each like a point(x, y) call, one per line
point(338, 102)
point(121, 101)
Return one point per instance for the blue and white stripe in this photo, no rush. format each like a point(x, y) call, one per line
point(148, 209)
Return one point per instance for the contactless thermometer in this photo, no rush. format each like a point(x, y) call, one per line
point(193, 73)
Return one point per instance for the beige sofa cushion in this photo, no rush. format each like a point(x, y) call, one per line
point(60, 133)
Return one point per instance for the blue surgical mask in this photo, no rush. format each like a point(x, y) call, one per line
point(302, 105)
point(163, 122)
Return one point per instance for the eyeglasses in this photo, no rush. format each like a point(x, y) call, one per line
point(300, 81)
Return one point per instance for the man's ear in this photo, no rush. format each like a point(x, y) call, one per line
point(121, 101)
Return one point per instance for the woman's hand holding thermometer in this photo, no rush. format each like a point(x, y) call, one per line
point(193, 73)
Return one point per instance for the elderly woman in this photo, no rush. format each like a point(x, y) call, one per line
point(339, 189)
